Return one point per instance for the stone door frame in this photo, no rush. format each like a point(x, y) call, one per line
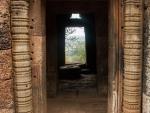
point(115, 73)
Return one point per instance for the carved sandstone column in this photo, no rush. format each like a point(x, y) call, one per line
point(132, 56)
point(21, 56)
point(146, 68)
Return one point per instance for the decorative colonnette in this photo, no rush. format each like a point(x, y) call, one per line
point(146, 66)
point(6, 79)
point(21, 56)
point(133, 31)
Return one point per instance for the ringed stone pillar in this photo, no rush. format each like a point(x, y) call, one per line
point(146, 66)
point(21, 56)
point(6, 78)
point(133, 24)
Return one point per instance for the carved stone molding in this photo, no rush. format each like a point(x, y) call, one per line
point(133, 22)
point(21, 55)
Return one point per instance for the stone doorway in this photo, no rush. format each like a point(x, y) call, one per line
point(83, 94)
point(38, 54)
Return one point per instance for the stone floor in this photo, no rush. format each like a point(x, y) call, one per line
point(77, 105)
point(77, 98)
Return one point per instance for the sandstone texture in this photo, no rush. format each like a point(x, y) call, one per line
point(6, 79)
point(146, 69)
point(6, 82)
point(5, 37)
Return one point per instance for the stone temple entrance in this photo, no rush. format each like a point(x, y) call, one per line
point(27, 74)
point(74, 87)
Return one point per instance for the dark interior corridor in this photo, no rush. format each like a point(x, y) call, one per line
point(77, 88)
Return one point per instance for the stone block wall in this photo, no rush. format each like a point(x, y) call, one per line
point(6, 78)
point(146, 64)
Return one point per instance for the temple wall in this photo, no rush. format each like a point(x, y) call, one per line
point(132, 61)
point(6, 78)
point(146, 65)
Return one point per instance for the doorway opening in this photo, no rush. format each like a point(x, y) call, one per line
point(75, 51)
point(76, 67)
point(77, 47)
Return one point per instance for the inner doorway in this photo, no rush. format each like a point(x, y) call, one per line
point(77, 53)
point(62, 98)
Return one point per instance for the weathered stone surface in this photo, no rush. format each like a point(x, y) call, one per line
point(146, 104)
point(6, 82)
point(38, 76)
point(5, 37)
point(36, 48)
point(6, 95)
point(146, 68)
point(5, 64)
point(6, 111)
point(37, 34)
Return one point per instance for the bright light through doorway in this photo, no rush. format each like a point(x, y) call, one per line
point(75, 16)
point(75, 51)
